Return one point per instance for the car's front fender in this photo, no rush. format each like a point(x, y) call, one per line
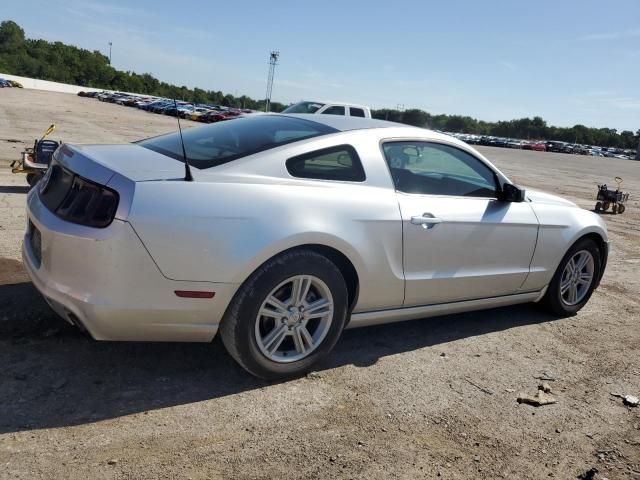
point(560, 227)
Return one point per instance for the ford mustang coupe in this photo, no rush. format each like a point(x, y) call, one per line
point(279, 231)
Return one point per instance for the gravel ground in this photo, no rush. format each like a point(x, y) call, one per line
point(424, 399)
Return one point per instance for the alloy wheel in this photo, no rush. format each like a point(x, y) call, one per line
point(577, 278)
point(294, 319)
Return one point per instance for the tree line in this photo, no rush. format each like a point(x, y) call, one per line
point(59, 62)
point(522, 128)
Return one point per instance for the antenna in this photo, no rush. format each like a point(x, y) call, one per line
point(187, 168)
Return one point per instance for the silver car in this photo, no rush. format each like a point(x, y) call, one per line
point(286, 229)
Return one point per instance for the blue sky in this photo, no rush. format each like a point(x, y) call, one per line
point(571, 61)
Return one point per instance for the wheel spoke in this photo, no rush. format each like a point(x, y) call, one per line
point(275, 337)
point(582, 261)
point(585, 278)
point(298, 341)
point(300, 290)
point(565, 285)
point(304, 291)
point(306, 336)
point(279, 306)
point(573, 293)
point(266, 312)
point(319, 308)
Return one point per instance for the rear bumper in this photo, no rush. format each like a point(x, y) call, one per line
point(105, 281)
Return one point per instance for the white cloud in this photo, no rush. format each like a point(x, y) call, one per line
point(610, 35)
point(105, 9)
point(512, 67)
point(193, 33)
point(626, 103)
point(608, 99)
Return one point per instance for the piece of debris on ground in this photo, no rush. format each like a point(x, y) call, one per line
point(542, 397)
point(629, 400)
point(588, 475)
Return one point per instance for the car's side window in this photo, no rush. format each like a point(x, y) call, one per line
point(438, 169)
point(356, 112)
point(336, 163)
point(334, 110)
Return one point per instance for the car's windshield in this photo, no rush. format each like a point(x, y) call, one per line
point(222, 142)
point(304, 107)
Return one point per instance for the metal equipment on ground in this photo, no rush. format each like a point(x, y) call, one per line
point(35, 160)
point(611, 198)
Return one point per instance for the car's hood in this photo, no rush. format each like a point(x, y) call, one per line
point(537, 196)
point(129, 160)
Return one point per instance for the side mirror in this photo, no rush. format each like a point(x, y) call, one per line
point(512, 193)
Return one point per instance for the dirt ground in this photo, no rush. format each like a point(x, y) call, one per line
point(425, 399)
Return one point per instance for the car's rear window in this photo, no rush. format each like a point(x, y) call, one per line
point(223, 142)
point(340, 163)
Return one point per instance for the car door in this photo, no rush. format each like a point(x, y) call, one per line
point(459, 241)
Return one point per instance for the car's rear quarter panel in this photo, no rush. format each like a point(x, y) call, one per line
point(222, 232)
point(107, 279)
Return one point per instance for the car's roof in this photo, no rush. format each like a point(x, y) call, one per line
point(344, 123)
point(333, 102)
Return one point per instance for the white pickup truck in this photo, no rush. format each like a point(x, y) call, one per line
point(329, 108)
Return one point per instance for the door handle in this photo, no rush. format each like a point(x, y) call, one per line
point(427, 220)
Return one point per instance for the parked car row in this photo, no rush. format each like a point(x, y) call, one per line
point(192, 111)
point(545, 146)
point(596, 151)
point(4, 83)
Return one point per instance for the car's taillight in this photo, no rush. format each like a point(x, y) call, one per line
point(88, 203)
point(76, 199)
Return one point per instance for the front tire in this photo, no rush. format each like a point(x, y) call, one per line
point(575, 279)
point(287, 315)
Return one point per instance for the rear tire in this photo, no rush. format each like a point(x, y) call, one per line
point(558, 297)
point(621, 209)
point(303, 337)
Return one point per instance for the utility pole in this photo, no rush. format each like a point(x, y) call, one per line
point(110, 44)
point(273, 61)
